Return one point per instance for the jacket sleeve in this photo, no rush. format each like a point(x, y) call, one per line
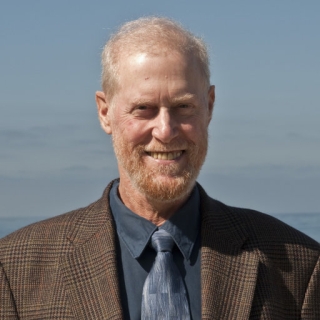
point(311, 304)
point(7, 305)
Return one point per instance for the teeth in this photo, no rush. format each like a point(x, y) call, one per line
point(165, 155)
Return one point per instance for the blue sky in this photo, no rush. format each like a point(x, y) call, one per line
point(265, 134)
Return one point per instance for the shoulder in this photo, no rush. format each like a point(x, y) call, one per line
point(43, 240)
point(261, 231)
point(270, 229)
point(56, 235)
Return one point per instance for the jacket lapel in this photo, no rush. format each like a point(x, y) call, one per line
point(90, 271)
point(228, 270)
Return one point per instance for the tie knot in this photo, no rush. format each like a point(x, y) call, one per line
point(162, 241)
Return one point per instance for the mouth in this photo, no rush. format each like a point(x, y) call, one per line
point(165, 155)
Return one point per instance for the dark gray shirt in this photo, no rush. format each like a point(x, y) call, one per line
point(136, 257)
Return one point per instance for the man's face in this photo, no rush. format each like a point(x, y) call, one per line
point(158, 119)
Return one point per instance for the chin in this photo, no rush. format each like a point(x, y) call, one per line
point(165, 188)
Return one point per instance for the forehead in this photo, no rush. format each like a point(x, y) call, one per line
point(159, 78)
point(145, 68)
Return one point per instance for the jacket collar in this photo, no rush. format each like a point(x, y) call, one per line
point(228, 270)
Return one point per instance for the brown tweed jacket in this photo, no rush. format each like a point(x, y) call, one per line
point(253, 267)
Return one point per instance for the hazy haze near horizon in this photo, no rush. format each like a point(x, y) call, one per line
point(265, 135)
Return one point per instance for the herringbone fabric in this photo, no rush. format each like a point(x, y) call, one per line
point(252, 267)
point(164, 294)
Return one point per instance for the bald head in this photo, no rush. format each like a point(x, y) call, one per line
point(151, 35)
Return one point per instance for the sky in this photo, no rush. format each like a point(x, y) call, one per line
point(264, 150)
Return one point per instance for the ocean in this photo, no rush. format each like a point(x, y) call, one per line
point(308, 223)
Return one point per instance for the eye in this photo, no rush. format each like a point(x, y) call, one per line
point(185, 109)
point(142, 107)
point(144, 111)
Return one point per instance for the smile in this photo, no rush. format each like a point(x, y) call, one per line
point(165, 155)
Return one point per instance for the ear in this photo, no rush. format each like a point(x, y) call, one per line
point(211, 99)
point(103, 111)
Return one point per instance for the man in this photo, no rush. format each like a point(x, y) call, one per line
point(97, 262)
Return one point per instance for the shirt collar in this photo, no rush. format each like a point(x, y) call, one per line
point(136, 231)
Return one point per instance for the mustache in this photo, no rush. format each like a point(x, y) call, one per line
point(168, 147)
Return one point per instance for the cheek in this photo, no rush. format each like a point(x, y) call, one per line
point(195, 130)
point(135, 131)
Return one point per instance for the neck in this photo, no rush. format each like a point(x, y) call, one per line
point(156, 211)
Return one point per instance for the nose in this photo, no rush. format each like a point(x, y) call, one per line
point(165, 127)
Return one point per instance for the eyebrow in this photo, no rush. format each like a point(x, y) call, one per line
point(187, 96)
point(174, 100)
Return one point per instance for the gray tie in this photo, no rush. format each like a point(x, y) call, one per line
point(164, 294)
